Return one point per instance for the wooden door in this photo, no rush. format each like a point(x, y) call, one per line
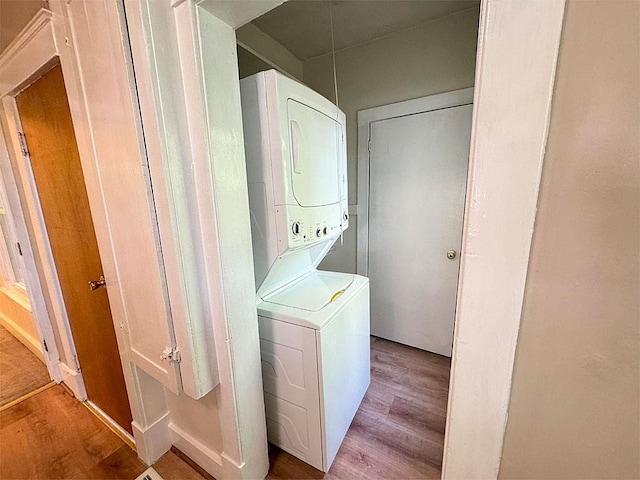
point(417, 181)
point(48, 129)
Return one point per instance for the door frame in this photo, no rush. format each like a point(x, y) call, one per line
point(34, 292)
point(24, 61)
point(513, 88)
point(455, 98)
point(497, 233)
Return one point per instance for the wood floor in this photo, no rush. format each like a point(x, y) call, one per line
point(398, 432)
point(53, 436)
point(21, 371)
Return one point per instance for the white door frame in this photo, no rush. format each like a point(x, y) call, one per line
point(514, 83)
point(512, 104)
point(50, 355)
point(512, 101)
point(30, 55)
point(366, 117)
point(511, 110)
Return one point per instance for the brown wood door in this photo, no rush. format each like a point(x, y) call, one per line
point(46, 123)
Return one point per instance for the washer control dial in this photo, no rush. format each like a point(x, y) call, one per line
point(295, 228)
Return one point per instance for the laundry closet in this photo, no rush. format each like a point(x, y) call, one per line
point(401, 75)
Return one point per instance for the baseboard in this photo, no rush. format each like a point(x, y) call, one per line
point(73, 380)
point(111, 424)
point(211, 461)
point(33, 344)
point(153, 441)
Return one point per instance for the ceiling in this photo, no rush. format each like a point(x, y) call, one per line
point(303, 26)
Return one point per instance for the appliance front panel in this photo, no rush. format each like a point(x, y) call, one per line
point(315, 156)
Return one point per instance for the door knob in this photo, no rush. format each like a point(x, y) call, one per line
point(95, 284)
point(451, 254)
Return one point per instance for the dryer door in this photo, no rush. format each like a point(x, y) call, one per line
point(315, 155)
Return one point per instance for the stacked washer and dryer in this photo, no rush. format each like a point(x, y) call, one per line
point(314, 325)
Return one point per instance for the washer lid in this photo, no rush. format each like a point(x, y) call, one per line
point(312, 292)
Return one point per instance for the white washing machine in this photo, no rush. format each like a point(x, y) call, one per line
point(314, 325)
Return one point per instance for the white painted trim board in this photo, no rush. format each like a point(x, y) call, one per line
point(512, 104)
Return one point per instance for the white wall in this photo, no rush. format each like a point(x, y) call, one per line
point(575, 401)
point(434, 57)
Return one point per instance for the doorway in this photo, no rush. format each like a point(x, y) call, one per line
point(403, 51)
point(60, 188)
point(412, 179)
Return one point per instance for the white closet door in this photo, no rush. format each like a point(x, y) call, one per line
point(418, 173)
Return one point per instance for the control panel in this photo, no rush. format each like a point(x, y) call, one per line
point(309, 225)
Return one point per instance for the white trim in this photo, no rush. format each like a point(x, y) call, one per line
point(174, 134)
point(208, 459)
point(29, 53)
point(512, 104)
point(111, 424)
point(430, 103)
point(236, 13)
point(51, 314)
point(261, 45)
point(153, 441)
point(196, 93)
point(72, 379)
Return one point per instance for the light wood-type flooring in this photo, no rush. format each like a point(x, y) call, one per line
point(21, 371)
point(397, 433)
point(53, 436)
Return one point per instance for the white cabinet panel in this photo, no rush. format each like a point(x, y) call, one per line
point(290, 378)
point(125, 195)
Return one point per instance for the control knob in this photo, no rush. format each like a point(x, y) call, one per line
point(295, 228)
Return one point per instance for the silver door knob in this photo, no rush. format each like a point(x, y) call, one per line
point(451, 254)
point(95, 284)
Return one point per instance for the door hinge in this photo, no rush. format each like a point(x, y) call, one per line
point(171, 355)
point(19, 248)
point(23, 144)
point(75, 360)
point(369, 145)
point(44, 344)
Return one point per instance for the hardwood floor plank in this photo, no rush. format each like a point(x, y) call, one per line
point(286, 467)
point(14, 414)
point(419, 416)
point(175, 465)
point(416, 446)
point(123, 464)
point(52, 436)
point(367, 457)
